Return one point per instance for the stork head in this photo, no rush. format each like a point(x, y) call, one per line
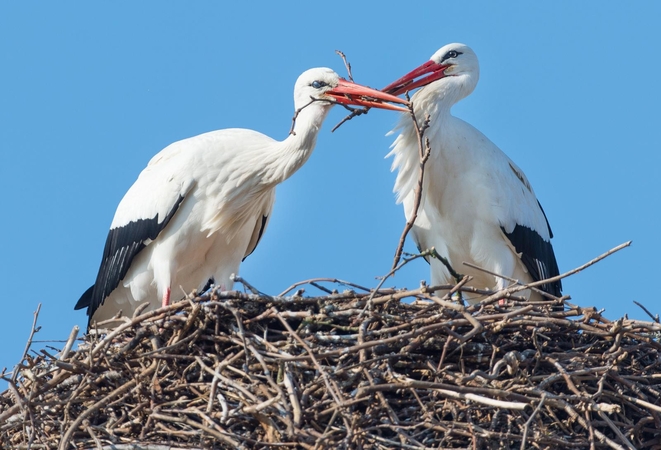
point(315, 85)
point(453, 64)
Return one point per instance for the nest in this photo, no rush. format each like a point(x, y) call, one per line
point(373, 370)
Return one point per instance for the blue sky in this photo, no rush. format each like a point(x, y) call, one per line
point(90, 91)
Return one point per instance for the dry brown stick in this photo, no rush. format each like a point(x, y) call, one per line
point(616, 430)
point(346, 63)
point(517, 288)
point(446, 346)
point(450, 391)
point(70, 341)
point(526, 426)
point(260, 406)
point(446, 300)
point(477, 326)
point(590, 429)
point(387, 296)
point(585, 424)
point(390, 444)
point(570, 383)
point(580, 268)
point(425, 151)
point(353, 112)
point(640, 402)
point(362, 354)
point(510, 279)
point(90, 431)
point(288, 380)
point(297, 112)
point(654, 318)
point(329, 280)
point(28, 344)
point(547, 380)
point(17, 397)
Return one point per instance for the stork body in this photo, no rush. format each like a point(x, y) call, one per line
point(477, 205)
point(202, 204)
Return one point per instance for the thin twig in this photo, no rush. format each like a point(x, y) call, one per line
point(424, 152)
point(33, 330)
point(354, 111)
point(389, 274)
point(654, 317)
point(346, 63)
point(580, 268)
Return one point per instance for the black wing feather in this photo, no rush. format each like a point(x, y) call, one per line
point(122, 245)
point(537, 255)
point(259, 237)
point(547, 220)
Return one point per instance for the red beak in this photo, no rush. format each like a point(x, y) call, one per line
point(348, 93)
point(408, 82)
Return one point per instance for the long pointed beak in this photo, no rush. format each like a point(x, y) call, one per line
point(348, 93)
point(408, 82)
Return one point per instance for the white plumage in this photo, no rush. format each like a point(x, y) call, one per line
point(477, 205)
point(202, 204)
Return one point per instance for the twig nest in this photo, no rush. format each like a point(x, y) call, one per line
point(240, 370)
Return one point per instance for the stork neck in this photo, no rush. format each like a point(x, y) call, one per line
point(438, 98)
point(291, 153)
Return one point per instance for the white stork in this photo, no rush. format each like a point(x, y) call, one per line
point(201, 205)
point(477, 206)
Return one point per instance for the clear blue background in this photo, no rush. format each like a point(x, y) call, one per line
point(90, 91)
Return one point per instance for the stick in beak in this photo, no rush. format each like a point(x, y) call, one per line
point(408, 83)
point(348, 93)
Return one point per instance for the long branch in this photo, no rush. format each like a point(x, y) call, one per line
point(424, 150)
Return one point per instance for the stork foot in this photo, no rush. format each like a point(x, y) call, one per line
point(166, 297)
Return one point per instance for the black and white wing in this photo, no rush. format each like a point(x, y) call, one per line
point(525, 225)
point(146, 209)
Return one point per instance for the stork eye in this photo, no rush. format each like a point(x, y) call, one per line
point(451, 54)
point(318, 84)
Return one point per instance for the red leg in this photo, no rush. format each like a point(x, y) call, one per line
point(166, 297)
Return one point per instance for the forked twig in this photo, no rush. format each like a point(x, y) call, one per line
point(456, 275)
point(425, 151)
point(34, 330)
point(354, 111)
point(368, 305)
point(346, 63)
